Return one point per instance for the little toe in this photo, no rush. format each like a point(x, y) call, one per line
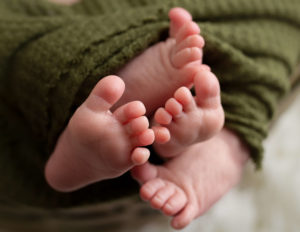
point(207, 90)
point(137, 125)
point(149, 189)
point(186, 56)
point(106, 93)
point(178, 17)
point(129, 111)
point(162, 116)
point(188, 29)
point(173, 107)
point(162, 196)
point(184, 96)
point(175, 203)
point(140, 155)
point(189, 42)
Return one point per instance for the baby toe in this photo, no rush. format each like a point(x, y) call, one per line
point(175, 203)
point(140, 155)
point(186, 56)
point(188, 29)
point(162, 116)
point(144, 139)
point(129, 111)
point(184, 96)
point(149, 189)
point(162, 134)
point(162, 196)
point(173, 107)
point(189, 42)
point(137, 125)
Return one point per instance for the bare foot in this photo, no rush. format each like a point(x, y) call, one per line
point(189, 119)
point(98, 144)
point(154, 76)
point(188, 185)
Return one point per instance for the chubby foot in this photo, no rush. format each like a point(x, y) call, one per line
point(186, 186)
point(153, 76)
point(99, 144)
point(188, 119)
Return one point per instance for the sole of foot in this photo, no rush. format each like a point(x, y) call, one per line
point(97, 143)
point(186, 119)
point(170, 64)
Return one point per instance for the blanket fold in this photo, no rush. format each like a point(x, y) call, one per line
point(51, 56)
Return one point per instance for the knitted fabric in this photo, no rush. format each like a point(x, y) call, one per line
point(51, 56)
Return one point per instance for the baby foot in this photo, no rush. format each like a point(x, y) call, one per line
point(186, 186)
point(189, 119)
point(98, 144)
point(153, 76)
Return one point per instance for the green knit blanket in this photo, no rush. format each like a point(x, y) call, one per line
point(51, 56)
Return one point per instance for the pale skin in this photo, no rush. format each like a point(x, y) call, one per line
point(202, 164)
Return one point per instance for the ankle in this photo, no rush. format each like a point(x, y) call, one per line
point(237, 149)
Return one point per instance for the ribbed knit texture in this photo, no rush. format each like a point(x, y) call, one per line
point(51, 56)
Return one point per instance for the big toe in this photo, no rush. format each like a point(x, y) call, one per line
point(207, 89)
point(106, 93)
point(208, 100)
point(178, 17)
